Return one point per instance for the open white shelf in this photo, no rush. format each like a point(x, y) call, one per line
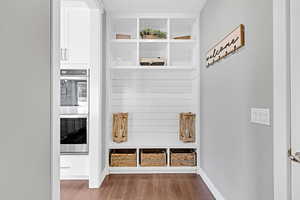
point(183, 27)
point(155, 24)
point(123, 54)
point(127, 26)
point(154, 96)
point(137, 67)
point(183, 54)
point(180, 54)
point(154, 50)
point(124, 40)
point(151, 170)
point(141, 146)
point(184, 41)
point(153, 41)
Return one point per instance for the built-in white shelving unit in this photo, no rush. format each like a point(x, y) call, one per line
point(179, 53)
point(154, 96)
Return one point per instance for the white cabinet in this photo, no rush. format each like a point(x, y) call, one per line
point(75, 37)
point(74, 167)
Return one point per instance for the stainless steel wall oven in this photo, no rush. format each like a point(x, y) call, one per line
point(74, 91)
point(74, 133)
point(74, 111)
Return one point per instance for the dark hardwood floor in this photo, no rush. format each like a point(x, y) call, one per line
point(140, 187)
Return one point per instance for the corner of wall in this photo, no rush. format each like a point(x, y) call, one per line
point(216, 193)
point(98, 183)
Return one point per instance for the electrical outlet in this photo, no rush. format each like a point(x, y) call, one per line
point(260, 116)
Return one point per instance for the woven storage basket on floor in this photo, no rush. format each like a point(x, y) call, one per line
point(153, 157)
point(123, 158)
point(183, 157)
point(187, 127)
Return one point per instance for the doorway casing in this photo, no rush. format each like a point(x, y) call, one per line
point(55, 88)
point(281, 98)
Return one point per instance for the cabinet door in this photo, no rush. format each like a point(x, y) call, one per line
point(63, 34)
point(77, 38)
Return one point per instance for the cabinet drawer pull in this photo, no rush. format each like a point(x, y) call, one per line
point(66, 55)
point(65, 167)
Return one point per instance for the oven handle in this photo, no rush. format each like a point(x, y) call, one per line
point(74, 116)
point(79, 78)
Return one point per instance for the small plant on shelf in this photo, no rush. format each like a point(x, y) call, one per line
point(153, 34)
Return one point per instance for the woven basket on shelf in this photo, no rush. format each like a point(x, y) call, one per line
point(183, 157)
point(123, 158)
point(153, 157)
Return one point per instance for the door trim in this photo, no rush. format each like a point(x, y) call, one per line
point(281, 99)
point(55, 89)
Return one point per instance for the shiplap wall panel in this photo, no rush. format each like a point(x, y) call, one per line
point(153, 100)
point(151, 75)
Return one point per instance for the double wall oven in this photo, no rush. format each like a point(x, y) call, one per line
point(74, 111)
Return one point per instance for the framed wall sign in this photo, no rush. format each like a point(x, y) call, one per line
point(232, 42)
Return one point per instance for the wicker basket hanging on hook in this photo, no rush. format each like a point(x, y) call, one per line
point(187, 127)
point(120, 127)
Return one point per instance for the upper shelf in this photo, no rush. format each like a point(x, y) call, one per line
point(183, 41)
point(170, 28)
point(168, 40)
point(171, 42)
point(125, 28)
point(124, 40)
point(183, 28)
point(154, 67)
point(152, 41)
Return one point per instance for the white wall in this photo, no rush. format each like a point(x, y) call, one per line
point(25, 100)
point(154, 100)
point(96, 108)
point(235, 154)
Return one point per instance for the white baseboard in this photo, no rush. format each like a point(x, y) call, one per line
point(103, 175)
point(101, 179)
point(210, 185)
point(74, 177)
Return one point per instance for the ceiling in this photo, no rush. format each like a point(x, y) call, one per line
point(154, 5)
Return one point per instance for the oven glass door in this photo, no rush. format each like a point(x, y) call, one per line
point(74, 134)
point(74, 96)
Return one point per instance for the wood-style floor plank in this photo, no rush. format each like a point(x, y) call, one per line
point(140, 187)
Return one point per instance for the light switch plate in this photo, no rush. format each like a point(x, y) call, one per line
point(260, 116)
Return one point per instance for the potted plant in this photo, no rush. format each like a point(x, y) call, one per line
point(153, 34)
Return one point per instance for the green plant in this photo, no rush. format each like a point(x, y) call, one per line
point(158, 33)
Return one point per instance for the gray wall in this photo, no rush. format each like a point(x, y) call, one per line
point(235, 154)
point(25, 99)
